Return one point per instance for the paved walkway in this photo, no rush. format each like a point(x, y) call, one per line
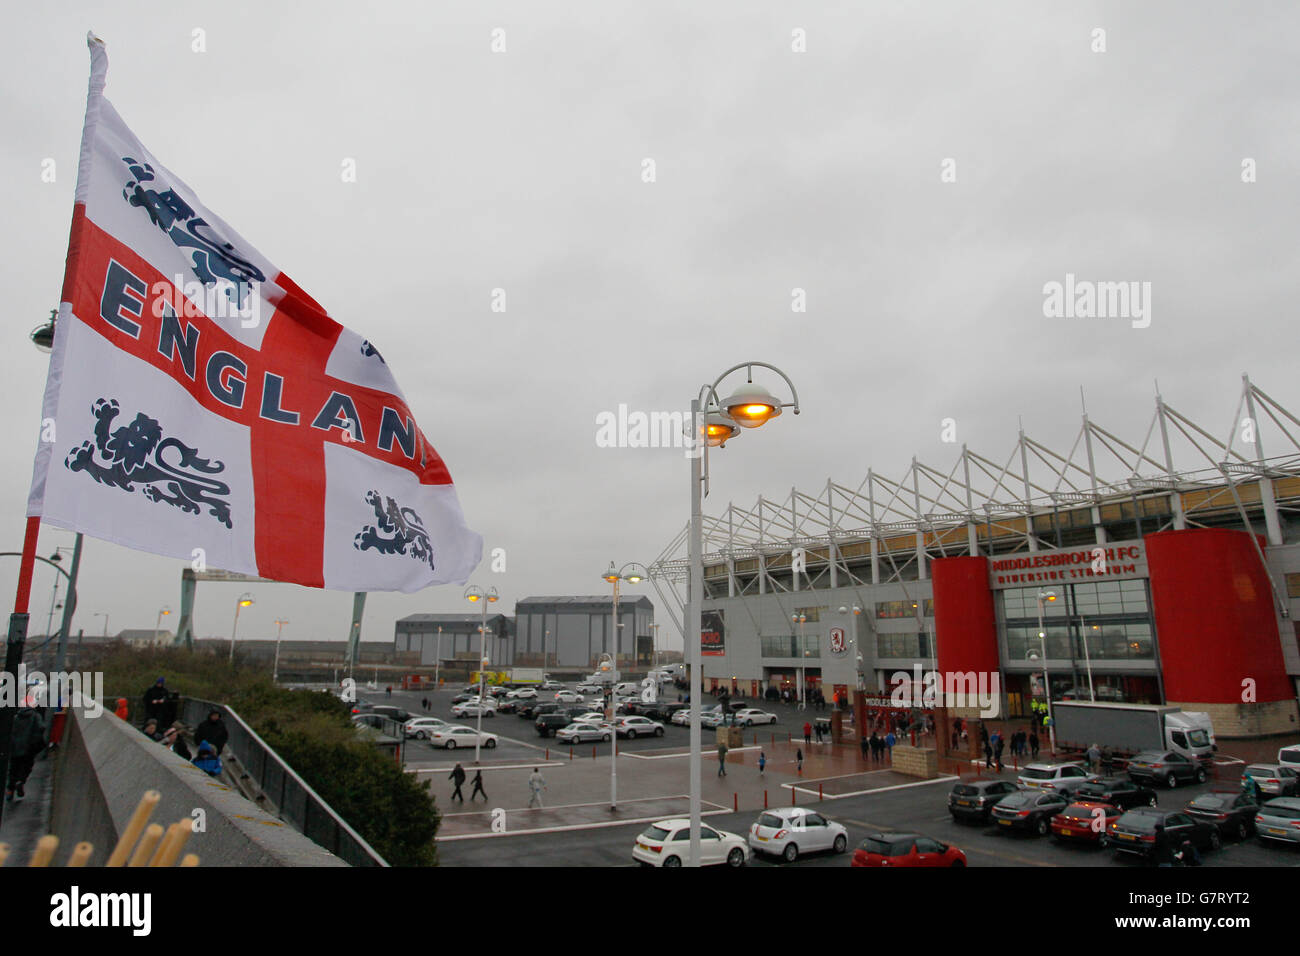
point(27, 820)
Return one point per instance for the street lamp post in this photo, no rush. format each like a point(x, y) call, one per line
point(157, 624)
point(1087, 658)
point(244, 601)
point(437, 661)
point(104, 615)
point(275, 668)
point(654, 651)
point(546, 642)
point(853, 632)
point(803, 653)
point(615, 577)
point(1047, 596)
point(713, 422)
point(476, 595)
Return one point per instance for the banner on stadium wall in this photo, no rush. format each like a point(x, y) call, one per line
point(713, 635)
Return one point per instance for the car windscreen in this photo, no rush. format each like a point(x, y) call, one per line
point(655, 834)
point(965, 790)
point(1018, 800)
point(770, 821)
point(1142, 822)
point(1199, 738)
point(1282, 812)
point(1034, 773)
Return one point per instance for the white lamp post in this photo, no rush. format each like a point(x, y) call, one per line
point(615, 577)
point(713, 422)
point(1087, 658)
point(476, 595)
point(104, 615)
point(1047, 596)
point(437, 661)
point(157, 624)
point(275, 668)
point(803, 652)
point(244, 601)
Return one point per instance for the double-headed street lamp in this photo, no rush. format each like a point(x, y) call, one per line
point(244, 601)
point(1046, 596)
point(615, 577)
point(713, 422)
point(163, 611)
point(476, 595)
point(275, 668)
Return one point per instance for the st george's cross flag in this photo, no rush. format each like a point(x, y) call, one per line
point(201, 405)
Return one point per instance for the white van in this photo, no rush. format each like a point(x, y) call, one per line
point(1290, 757)
point(627, 689)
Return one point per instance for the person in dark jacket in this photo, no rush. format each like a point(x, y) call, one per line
point(151, 729)
point(173, 741)
point(26, 743)
point(213, 730)
point(154, 698)
point(1033, 744)
point(457, 777)
point(478, 786)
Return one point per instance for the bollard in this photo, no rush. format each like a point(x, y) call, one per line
point(764, 799)
point(735, 802)
point(819, 791)
point(593, 751)
point(773, 740)
point(548, 754)
point(570, 753)
point(792, 796)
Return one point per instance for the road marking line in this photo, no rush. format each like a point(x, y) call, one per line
point(687, 753)
point(568, 827)
point(861, 793)
point(516, 766)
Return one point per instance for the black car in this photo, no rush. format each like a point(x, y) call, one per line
point(664, 710)
point(464, 696)
point(526, 709)
point(392, 713)
point(1030, 810)
point(508, 705)
point(975, 800)
point(1167, 767)
point(547, 724)
point(1136, 832)
point(1118, 792)
point(1232, 813)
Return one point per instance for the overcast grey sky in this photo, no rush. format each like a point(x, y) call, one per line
point(775, 170)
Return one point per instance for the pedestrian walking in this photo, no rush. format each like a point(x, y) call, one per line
point(817, 731)
point(26, 741)
point(866, 746)
point(762, 762)
point(798, 760)
point(997, 751)
point(424, 703)
point(807, 734)
point(1094, 758)
point(889, 745)
point(458, 778)
point(722, 759)
point(988, 755)
point(536, 784)
point(478, 787)
point(1033, 744)
point(388, 691)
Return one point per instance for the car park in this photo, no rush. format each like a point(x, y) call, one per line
point(1063, 777)
point(1135, 831)
point(749, 716)
point(668, 843)
point(419, 727)
point(1278, 820)
point(1165, 766)
point(567, 697)
point(633, 727)
point(1029, 810)
point(1117, 791)
point(792, 831)
point(452, 737)
point(974, 801)
point(582, 732)
point(1085, 821)
point(1233, 812)
point(1273, 780)
point(473, 708)
point(906, 849)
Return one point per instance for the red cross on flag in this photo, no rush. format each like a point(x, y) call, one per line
point(200, 405)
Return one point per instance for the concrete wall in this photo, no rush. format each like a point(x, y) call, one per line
point(105, 765)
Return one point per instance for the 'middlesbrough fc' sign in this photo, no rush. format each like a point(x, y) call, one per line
point(1118, 559)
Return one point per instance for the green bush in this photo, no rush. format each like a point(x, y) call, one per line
point(311, 731)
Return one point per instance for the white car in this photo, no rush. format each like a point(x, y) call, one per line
point(451, 737)
point(581, 732)
point(472, 708)
point(750, 716)
point(420, 727)
point(589, 687)
point(552, 685)
point(668, 843)
point(522, 693)
point(1061, 777)
point(681, 718)
point(711, 718)
point(567, 697)
point(633, 727)
point(790, 831)
point(591, 717)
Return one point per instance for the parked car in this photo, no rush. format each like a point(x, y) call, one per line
point(419, 727)
point(581, 732)
point(392, 713)
point(549, 723)
point(472, 708)
point(1289, 756)
point(906, 849)
point(497, 692)
point(1062, 777)
point(682, 718)
point(523, 693)
point(526, 709)
point(664, 709)
point(1274, 780)
point(749, 716)
point(552, 685)
point(668, 843)
point(1166, 766)
point(1085, 821)
point(633, 727)
point(712, 718)
point(791, 831)
point(1232, 812)
point(451, 737)
point(1117, 791)
point(1279, 820)
point(464, 696)
point(589, 687)
point(508, 705)
point(590, 717)
point(1030, 810)
point(1135, 831)
point(975, 800)
point(567, 697)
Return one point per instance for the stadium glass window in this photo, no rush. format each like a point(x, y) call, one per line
point(783, 645)
point(812, 613)
point(1293, 585)
point(905, 608)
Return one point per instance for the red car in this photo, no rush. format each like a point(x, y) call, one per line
point(1085, 821)
point(906, 849)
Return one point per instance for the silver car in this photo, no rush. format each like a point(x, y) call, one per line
point(582, 732)
point(1279, 820)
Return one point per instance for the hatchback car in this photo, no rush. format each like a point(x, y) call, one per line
point(567, 697)
point(1232, 813)
point(523, 693)
point(1167, 767)
point(749, 716)
point(1085, 821)
point(1030, 810)
point(1063, 777)
point(1279, 820)
point(790, 831)
point(1135, 831)
point(668, 843)
point(633, 727)
point(972, 802)
point(1117, 791)
point(681, 718)
point(581, 732)
point(906, 849)
point(1273, 780)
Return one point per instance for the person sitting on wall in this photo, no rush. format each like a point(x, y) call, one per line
point(207, 760)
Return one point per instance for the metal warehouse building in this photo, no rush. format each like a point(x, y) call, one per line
point(1174, 561)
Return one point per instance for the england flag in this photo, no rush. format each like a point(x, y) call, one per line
point(200, 405)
